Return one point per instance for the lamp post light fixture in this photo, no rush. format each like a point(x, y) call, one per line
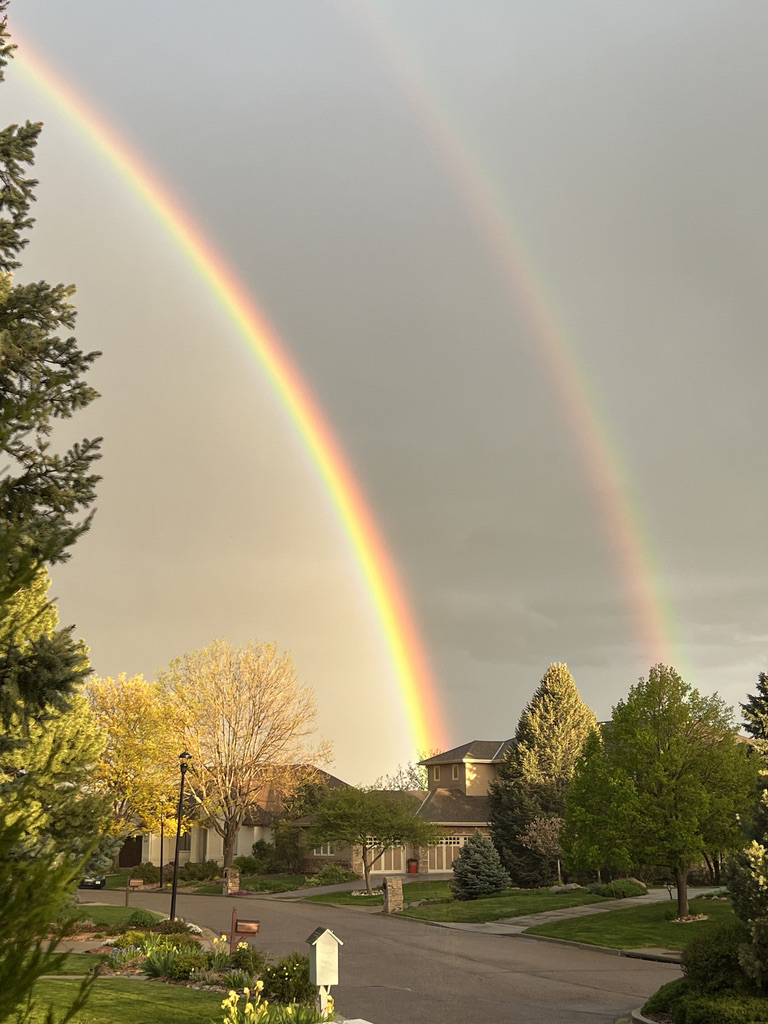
point(183, 759)
point(162, 837)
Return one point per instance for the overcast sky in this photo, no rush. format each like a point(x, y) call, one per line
point(623, 150)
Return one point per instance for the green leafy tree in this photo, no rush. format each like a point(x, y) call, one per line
point(669, 776)
point(372, 820)
point(44, 498)
point(537, 768)
point(478, 870)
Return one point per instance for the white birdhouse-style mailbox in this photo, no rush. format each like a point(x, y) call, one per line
point(324, 962)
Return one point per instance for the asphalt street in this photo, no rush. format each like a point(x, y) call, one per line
point(395, 971)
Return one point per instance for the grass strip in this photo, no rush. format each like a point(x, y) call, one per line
point(128, 1002)
point(639, 927)
point(412, 892)
point(105, 915)
point(510, 903)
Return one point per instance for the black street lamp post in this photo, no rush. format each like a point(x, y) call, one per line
point(162, 838)
point(183, 758)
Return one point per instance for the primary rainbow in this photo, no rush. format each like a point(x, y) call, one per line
point(415, 682)
point(655, 623)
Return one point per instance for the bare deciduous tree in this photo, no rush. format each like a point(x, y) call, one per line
point(248, 725)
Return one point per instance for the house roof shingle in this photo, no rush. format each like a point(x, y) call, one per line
point(451, 806)
point(475, 750)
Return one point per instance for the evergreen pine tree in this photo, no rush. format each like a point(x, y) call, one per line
point(478, 870)
point(755, 713)
point(45, 495)
point(43, 492)
point(536, 770)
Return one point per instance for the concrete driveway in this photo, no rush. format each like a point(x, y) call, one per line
point(396, 971)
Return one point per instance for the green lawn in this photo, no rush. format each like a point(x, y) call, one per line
point(103, 914)
point(79, 963)
point(411, 893)
point(119, 880)
point(510, 903)
point(639, 927)
point(256, 883)
point(130, 1002)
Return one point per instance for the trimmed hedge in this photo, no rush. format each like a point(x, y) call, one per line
point(711, 961)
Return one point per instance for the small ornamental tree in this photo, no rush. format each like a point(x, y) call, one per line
point(478, 870)
point(372, 820)
point(543, 836)
point(749, 894)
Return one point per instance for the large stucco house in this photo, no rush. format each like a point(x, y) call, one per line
point(456, 800)
point(203, 842)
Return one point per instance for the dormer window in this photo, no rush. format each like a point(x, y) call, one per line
point(455, 772)
point(436, 775)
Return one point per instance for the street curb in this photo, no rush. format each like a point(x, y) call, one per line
point(637, 1016)
point(630, 954)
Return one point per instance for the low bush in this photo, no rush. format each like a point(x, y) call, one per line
point(332, 874)
point(711, 961)
point(186, 963)
point(667, 999)
point(141, 919)
point(287, 981)
point(132, 937)
point(725, 1008)
point(246, 958)
point(246, 865)
point(621, 889)
point(148, 873)
point(205, 872)
point(176, 927)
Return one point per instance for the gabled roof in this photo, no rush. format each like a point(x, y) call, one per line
point(269, 802)
point(451, 806)
point(489, 751)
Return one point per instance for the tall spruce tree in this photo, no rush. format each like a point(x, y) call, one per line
point(536, 770)
point(44, 492)
point(45, 495)
point(755, 713)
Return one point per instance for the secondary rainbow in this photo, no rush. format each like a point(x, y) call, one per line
point(416, 685)
point(488, 207)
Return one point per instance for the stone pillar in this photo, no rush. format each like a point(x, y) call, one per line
point(231, 881)
point(393, 895)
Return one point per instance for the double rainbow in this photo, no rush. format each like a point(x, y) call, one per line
point(415, 682)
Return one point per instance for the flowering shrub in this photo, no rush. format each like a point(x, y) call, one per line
point(287, 981)
point(240, 980)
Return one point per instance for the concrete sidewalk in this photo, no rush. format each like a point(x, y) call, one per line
point(517, 925)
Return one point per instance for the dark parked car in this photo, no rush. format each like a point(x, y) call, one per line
point(93, 882)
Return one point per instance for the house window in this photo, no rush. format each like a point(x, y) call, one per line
point(326, 850)
point(185, 841)
point(436, 775)
point(454, 771)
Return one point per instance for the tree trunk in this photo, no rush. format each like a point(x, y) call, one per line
point(559, 873)
point(717, 861)
point(710, 869)
point(367, 871)
point(681, 881)
point(230, 838)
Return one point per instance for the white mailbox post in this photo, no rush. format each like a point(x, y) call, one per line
point(323, 963)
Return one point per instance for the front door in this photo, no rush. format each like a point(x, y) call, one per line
point(130, 853)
